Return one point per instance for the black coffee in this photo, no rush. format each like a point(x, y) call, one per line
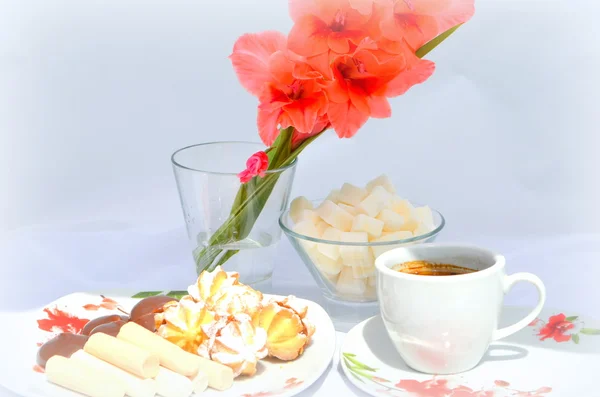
point(423, 268)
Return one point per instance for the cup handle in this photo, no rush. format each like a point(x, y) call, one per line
point(511, 280)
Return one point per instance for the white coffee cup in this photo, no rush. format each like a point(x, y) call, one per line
point(445, 324)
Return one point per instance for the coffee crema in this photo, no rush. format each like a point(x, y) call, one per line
point(424, 268)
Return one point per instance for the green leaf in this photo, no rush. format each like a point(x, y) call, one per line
point(223, 259)
point(362, 373)
point(572, 318)
point(281, 148)
point(575, 338)
point(360, 365)
point(206, 257)
point(357, 377)
point(428, 47)
point(349, 355)
point(304, 144)
point(356, 370)
point(176, 294)
point(590, 331)
point(147, 294)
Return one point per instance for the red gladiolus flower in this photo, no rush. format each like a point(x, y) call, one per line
point(420, 21)
point(556, 329)
point(256, 165)
point(288, 89)
point(365, 79)
point(341, 62)
point(324, 29)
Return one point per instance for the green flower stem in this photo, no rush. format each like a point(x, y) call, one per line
point(429, 46)
point(249, 203)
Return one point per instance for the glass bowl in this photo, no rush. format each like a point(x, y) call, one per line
point(348, 285)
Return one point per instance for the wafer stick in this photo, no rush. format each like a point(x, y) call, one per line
point(81, 378)
point(126, 356)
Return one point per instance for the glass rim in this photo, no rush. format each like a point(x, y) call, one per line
point(179, 165)
point(425, 236)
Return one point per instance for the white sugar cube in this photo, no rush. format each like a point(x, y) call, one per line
point(378, 250)
point(422, 229)
point(371, 292)
point(331, 278)
point(372, 281)
point(309, 215)
point(372, 226)
point(403, 207)
point(410, 225)
point(375, 202)
point(425, 216)
point(383, 181)
point(352, 195)
point(335, 216)
point(355, 255)
point(298, 205)
point(363, 271)
point(307, 228)
point(330, 250)
point(350, 286)
point(354, 237)
point(349, 209)
point(392, 222)
point(324, 264)
point(321, 227)
point(334, 196)
point(371, 238)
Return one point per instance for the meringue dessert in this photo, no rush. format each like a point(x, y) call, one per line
point(233, 324)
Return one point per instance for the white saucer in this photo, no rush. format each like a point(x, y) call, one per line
point(565, 363)
point(21, 334)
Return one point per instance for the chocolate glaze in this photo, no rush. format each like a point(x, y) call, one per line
point(147, 322)
point(100, 321)
point(111, 328)
point(149, 305)
point(61, 345)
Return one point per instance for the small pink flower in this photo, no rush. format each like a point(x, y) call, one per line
point(256, 165)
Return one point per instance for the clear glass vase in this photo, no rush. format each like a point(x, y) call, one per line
point(209, 188)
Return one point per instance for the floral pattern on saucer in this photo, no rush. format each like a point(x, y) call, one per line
point(521, 365)
point(434, 387)
point(562, 328)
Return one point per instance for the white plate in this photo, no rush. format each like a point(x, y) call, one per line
point(557, 355)
point(274, 378)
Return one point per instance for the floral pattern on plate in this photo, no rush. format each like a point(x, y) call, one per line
point(291, 383)
point(71, 313)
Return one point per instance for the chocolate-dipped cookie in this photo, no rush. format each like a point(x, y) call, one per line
point(111, 328)
point(148, 321)
point(101, 321)
point(152, 304)
point(62, 345)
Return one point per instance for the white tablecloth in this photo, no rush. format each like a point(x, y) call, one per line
point(45, 263)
